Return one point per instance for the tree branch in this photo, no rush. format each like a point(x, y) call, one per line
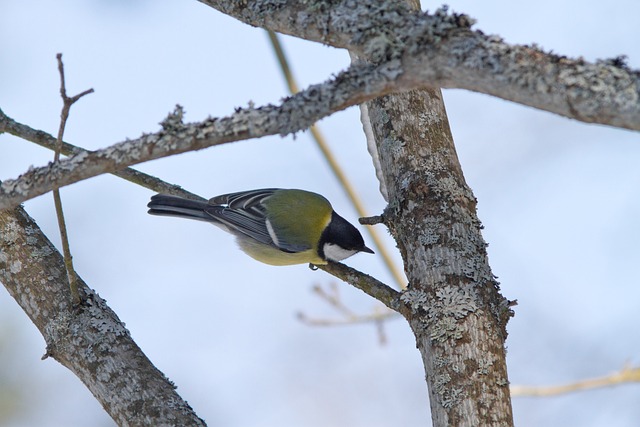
point(296, 113)
point(441, 51)
point(626, 375)
point(89, 339)
point(331, 296)
point(67, 102)
point(369, 285)
point(43, 139)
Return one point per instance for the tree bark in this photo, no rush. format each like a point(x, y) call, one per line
point(89, 340)
point(452, 302)
point(441, 50)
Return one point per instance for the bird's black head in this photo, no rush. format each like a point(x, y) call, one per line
point(340, 240)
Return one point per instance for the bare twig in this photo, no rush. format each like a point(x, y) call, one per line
point(375, 317)
point(371, 220)
point(369, 285)
point(626, 375)
point(67, 102)
point(335, 167)
point(378, 318)
point(331, 296)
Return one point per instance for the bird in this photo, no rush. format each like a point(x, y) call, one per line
point(273, 225)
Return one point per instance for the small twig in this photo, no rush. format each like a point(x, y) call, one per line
point(378, 318)
point(369, 285)
point(625, 375)
point(371, 220)
point(333, 299)
point(375, 317)
point(67, 102)
point(382, 336)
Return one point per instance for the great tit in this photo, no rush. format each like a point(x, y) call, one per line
point(275, 226)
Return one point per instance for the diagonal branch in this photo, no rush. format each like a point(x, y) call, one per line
point(88, 339)
point(440, 50)
point(43, 139)
point(369, 285)
point(295, 113)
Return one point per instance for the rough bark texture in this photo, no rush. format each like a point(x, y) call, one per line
point(89, 340)
point(409, 50)
point(46, 140)
point(440, 50)
point(452, 302)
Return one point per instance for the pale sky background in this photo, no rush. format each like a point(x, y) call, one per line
point(558, 198)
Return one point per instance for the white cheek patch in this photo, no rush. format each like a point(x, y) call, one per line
point(334, 252)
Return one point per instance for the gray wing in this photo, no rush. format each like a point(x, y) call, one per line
point(243, 199)
point(243, 213)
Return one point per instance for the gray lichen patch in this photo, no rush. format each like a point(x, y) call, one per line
point(442, 311)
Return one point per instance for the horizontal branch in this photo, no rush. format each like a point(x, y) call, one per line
point(348, 320)
point(441, 50)
point(625, 375)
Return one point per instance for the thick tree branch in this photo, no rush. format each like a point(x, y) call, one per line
point(441, 51)
point(452, 304)
point(89, 339)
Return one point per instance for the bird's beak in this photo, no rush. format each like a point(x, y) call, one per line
point(366, 249)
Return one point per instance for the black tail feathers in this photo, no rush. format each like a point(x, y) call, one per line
point(166, 205)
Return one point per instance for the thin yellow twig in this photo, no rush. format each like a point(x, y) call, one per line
point(349, 320)
point(626, 375)
point(332, 297)
point(335, 167)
